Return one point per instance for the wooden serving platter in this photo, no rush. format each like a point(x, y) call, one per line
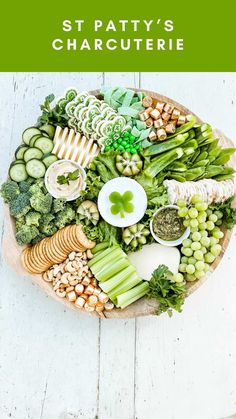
point(12, 251)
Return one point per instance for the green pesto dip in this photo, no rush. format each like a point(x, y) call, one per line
point(167, 225)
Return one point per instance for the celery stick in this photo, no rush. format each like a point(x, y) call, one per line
point(101, 255)
point(117, 279)
point(99, 247)
point(132, 295)
point(107, 260)
point(112, 269)
point(126, 285)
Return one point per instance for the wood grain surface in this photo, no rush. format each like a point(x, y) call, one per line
point(58, 364)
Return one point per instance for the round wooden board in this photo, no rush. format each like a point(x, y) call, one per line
point(144, 307)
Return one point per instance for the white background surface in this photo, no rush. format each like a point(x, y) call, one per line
point(58, 364)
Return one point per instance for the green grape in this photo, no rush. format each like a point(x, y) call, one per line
point(181, 203)
point(195, 199)
point(202, 217)
point(190, 269)
point(213, 218)
point(194, 229)
point(204, 250)
point(187, 251)
point(186, 223)
point(207, 267)
point(216, 249)
point(193, 212)
point(209, 212)
point(198, 255)
point(205, 241)
point(217, 233)
point(196, 236)
point(218, 223)
point(219, 214)
point(201, 206)
point(199, 274)
point(183, 211)
point(202, 226)
point(191, 261)
point(193, 223)
point(213, 241)
point(210, 225)
point(209, 257)
point(184, 259)
point(204, 233)
point(178, 277)
point(196, 246)
point(187, 242)
point(182, 267)
point(200, 265)
point(190, 278)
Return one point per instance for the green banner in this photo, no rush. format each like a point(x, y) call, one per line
point(118, 36)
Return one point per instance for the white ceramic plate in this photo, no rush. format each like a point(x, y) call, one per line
point(121, 185)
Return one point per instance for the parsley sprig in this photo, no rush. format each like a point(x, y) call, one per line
point(170, 295)
point(66, 179)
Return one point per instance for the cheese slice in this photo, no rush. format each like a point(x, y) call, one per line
point(153, 255)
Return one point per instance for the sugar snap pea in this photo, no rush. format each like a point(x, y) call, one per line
point(194, 173)
point(224, 155)
point(202, 156)
point(201, 163)
point(213, 170)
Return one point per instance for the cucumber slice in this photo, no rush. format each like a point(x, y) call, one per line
point(44, 144)
point(35, 168)
point(29, 133)
point(49, 129)
point(20, 151)
point(48, 160)
point(33, 153)
point(33, 139)
point(18, 172)
point(17, 161)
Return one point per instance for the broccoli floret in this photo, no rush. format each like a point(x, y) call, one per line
point(39, 237)
point(46, 226)
point(49, 229)
point(19, 223)
point(32, 218)
point(58, 205)
point(41, 184)
point(41, 203)
point(35, 190)
point(20, 205)
point(65, 217)
point(26, 234)
point(9, 191)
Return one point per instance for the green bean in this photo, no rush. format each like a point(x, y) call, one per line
point(228, 171)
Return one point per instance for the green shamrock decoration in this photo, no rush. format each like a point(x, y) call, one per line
point(121, 203)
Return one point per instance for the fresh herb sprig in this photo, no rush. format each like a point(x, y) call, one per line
point(54, 116)
point(170, 295)
point(66, 179)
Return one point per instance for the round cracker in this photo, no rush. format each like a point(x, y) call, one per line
point(81, 237)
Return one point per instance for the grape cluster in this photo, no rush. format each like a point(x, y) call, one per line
point(202, 247)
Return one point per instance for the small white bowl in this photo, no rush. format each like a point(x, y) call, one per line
point(77, 166)
point(168, 242)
